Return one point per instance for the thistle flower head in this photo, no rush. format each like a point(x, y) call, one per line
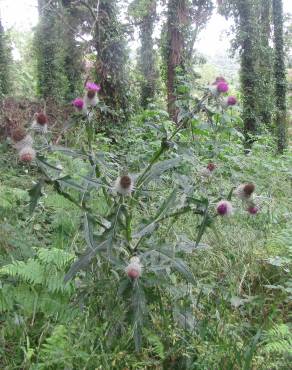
point(244, 191)
point(40, 123)
point(208, 170)
point(78, 103)
point(91, 86)
point(41, 118)
point(27, 154)
point(222, 87)
point(224, 208)
point(211, 167)
point(252, 209)
point(18, 134)
point(231, 100)
point(124, 185)
point(90, 99)
point(218, 80)
point(25, 142)
point(134, 268)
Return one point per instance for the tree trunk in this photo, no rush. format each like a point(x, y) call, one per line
point(50, 77)
point(248, 74)
point(280, 75)
point(147, 57)
point(72, 53)
point(4, 64)
point(111, 58)
point(176, 22)
point(266, 96)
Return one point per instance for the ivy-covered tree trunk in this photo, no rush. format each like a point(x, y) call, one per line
point(248, 74)
point(50, 77)
point(72, 53)
point(111, 58)
point(4, 63)
point(147, 56)
point(177, 20)
point(280, 75)
point(265, 64)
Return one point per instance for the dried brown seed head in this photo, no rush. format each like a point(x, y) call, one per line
point(18, 134)
point(125, 182)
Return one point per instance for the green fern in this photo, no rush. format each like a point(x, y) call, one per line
point(30, 271)
point(156, 344)
point(55, 352)
point(55, 256)
point(39, 282)
point(59, 352)
point(279, 340)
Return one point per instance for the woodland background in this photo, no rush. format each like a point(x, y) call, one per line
point(215, 292)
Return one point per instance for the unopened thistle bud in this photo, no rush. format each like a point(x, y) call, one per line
point(218, 80)
point(253, 210)
point(134, 268)
point(224, 208)
point(207, 171)
point(244, 191)
point(231, 100)
point(211, 167)
point(40, 123)
point(18, 134)
point(21, 139)
point(124, 185)
point(27, 154)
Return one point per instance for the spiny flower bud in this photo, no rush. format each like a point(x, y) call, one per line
point(211, 167)
point(218, 80)
point(253, 210)
point(224, 208)
point(41, 118)
point(244, 191)
point(124, 185)
point(91, 94)
point(231, 100)
point(40, 123)
point(27, 154)
point(207, 171)
point(78, 103)
point(18, 134)
point(90, 97)
point(25, 142)
point(222, 87)
point(134, 268)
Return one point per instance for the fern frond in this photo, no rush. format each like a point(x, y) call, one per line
point(31, 271)
point(156, 344)
point(55, 282)
point(55, 256)
point(279, 340)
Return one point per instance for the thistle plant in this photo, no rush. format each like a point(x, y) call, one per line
point(127, 242)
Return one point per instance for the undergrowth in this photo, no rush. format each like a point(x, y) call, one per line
point(242, 292)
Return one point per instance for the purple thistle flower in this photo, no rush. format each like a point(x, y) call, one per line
point(231, 100)
point(224, 208)
point(222, 87)
point(78, 103)
point(92, 86)
point(253, 210)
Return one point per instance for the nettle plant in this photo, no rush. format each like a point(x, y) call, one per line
point(127, 218)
